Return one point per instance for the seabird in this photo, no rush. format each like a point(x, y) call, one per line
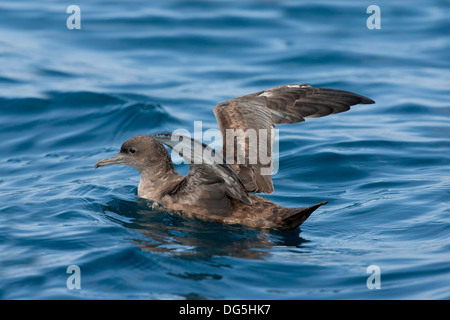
point(224, 191)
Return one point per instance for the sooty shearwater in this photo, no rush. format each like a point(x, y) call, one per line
point(220, 190)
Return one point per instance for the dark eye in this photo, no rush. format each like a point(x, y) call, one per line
point(132, 150)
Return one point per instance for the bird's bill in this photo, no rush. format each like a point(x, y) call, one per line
point(117, 159)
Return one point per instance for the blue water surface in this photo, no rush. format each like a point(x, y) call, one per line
point(71, 97)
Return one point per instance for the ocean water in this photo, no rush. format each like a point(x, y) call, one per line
point(69, 97)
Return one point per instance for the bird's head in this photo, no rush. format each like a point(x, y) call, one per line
point(140, 152)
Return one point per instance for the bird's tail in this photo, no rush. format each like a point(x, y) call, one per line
point(293, 218)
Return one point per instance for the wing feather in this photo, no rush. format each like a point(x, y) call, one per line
point(263, 110)
point(207, 167)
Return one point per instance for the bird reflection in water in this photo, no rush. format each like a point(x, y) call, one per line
point(193, 238)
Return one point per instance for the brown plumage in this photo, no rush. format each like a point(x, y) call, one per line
point(219, 190)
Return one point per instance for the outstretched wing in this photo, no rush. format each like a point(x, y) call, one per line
point(259, 112)
point(209, 176)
